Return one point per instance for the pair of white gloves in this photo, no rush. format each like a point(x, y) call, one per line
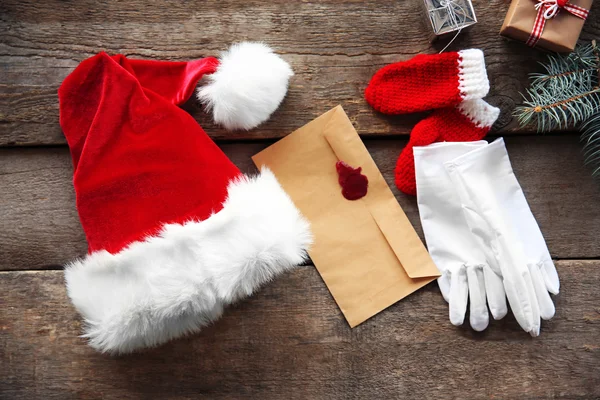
point(482, 235)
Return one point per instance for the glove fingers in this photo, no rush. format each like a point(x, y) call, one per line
point(478, 312)
point(496, 297)
point(550, 275)
point(533, 300)
point(517, 282)
point(543, 297)
point(444, 284)
point(458, 296)
point(519, 300)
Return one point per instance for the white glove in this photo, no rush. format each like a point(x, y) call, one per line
point(500, 218)
point(466, 273)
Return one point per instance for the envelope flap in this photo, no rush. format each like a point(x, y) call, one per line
point(360, 246)
point(380, 200)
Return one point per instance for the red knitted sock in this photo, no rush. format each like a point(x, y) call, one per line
point(427, 82)
point(470, 120)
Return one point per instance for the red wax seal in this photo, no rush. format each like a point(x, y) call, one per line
point(354, 184)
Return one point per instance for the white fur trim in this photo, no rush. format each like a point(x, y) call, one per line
point(480, 112)
point(177, 282)
point(473, 81)
point(248, 86)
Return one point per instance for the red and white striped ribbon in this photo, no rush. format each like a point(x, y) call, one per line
point(548, 9)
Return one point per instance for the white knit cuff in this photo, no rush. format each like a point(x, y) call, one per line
point(473, 81)
point(482, 114)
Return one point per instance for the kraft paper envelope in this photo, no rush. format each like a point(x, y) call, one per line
point(366, 251)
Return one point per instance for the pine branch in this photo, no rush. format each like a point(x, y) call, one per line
point(590, 137)
point(567, 95)
point(584, 60)
point(548, 111)
point(544, 78)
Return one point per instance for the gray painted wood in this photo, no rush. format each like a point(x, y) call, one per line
point(291, 341)
point(334, 47)
point(39, 226)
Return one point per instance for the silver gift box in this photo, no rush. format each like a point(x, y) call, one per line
point(449, 15)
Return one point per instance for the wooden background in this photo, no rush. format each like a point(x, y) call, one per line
point(289, 341)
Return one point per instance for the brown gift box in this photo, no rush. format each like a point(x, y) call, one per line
point(560, 33)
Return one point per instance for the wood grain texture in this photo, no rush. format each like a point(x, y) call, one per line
point(333, 46)
point(290, 341)
point(39, 227)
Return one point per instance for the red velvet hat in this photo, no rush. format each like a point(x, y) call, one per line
point(175, 230)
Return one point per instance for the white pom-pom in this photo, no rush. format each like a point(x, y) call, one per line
point(248, 86)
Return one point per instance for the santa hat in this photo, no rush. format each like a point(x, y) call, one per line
point(175, 230)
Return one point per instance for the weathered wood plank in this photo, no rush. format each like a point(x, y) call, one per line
point(39, 226)
point(290, 341)
point(334, 47)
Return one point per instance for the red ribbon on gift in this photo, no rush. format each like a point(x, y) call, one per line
point(548, 9)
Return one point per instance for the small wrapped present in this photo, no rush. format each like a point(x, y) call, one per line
point(446, 16)
point(554, 25)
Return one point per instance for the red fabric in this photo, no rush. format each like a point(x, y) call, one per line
point(139, 160)
point(445, 125)
point(422, 83)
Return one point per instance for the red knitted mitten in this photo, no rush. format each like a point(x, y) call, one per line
point(427, 82)
point(470, 120)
